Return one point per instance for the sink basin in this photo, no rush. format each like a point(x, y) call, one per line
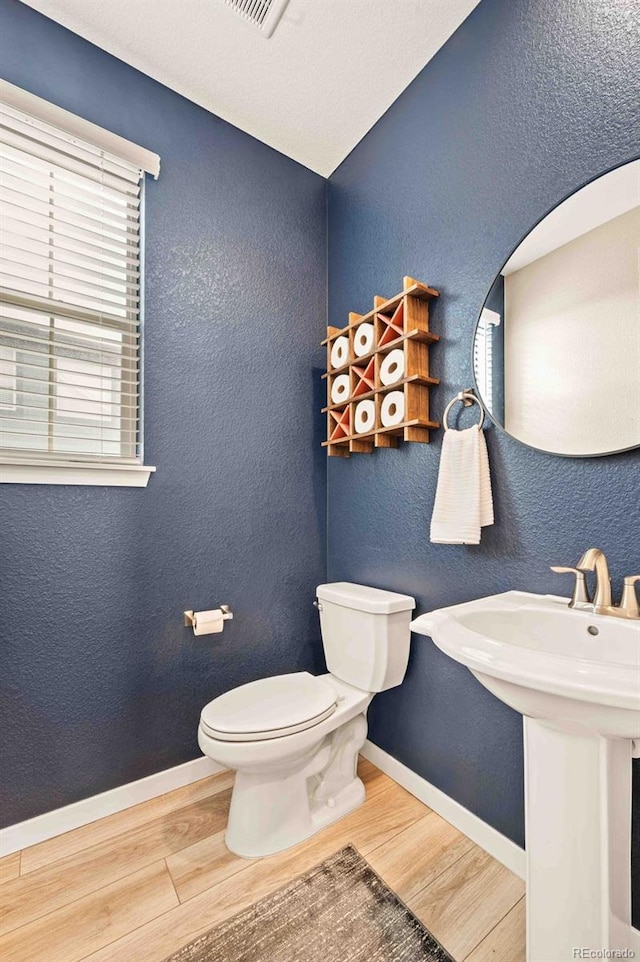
point(546, 660)
point(575, 677)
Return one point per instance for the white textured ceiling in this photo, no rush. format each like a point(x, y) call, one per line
point(312, 91)
point(602, 200)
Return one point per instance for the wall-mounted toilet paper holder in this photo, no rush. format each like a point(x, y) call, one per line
point(190, 621)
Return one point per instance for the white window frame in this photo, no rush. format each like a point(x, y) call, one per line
point(28, 469)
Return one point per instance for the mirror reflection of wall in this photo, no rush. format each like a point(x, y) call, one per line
point(557, 347)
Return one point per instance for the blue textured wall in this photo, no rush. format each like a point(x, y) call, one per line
point(527, 101)
point(99, 682)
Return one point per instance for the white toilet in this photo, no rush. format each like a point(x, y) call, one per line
point(294, 739)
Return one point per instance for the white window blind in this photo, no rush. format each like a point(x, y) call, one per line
point(69, 297)
point(483, 352)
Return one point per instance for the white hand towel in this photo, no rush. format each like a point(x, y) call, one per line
point(464, 503)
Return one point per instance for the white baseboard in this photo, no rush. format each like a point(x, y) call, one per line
point(34, 830)
point(488, 838)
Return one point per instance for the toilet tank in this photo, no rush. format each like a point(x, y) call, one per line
point(365, 633)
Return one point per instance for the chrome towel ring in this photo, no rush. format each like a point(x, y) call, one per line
point(466, 397)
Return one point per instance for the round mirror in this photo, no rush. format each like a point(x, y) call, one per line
point(556, 352)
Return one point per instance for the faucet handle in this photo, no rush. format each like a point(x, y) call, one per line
point(580, 591)
point(629, 600)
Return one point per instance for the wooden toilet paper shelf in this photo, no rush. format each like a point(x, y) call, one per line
point(399, 323)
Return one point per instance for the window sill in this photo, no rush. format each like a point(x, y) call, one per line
point(61, 472)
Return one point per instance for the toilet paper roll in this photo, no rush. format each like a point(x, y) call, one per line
point(340, 351)
point(340, 389)
point(392, 367)
point(363, 339)
point(392, 411)
point(365, 416)
point(208, 622)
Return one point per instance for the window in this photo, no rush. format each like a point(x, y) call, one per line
point(70, 298)
point(483, 352)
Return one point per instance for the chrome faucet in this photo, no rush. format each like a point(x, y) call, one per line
point(580, 594)
point(595, 560)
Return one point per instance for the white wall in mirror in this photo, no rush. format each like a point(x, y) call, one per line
point(572, 343)
point(560, 370)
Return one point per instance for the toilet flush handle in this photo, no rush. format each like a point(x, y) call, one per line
point(316, 604)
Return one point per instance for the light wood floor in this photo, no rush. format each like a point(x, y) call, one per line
point(140, 884)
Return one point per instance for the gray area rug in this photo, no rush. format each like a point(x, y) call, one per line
point(340, 911)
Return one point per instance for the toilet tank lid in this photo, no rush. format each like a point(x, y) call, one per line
point(363, 598)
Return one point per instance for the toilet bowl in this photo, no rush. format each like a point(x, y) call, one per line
point(294, 739)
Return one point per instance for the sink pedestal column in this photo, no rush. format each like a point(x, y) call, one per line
point(578, 836)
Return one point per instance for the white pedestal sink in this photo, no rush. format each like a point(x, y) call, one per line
point(575, 677)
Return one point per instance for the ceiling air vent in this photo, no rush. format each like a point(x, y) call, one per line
point(263, 14)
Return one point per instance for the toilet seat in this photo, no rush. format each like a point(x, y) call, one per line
point(269, 708)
